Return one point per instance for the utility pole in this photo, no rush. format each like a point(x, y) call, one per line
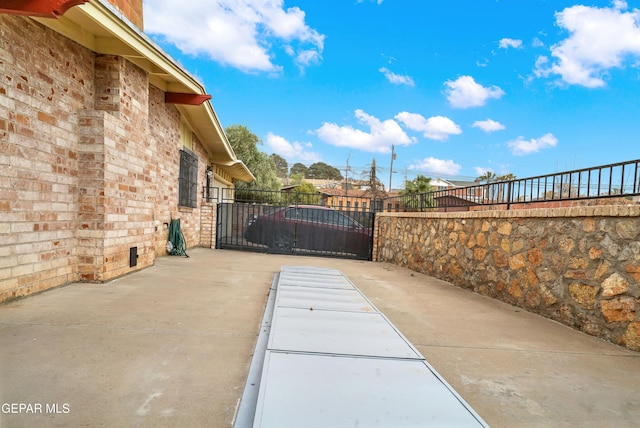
point(393, 157)
point(346, 177)
point(372, 178)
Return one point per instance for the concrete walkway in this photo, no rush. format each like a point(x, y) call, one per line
point(171, 346)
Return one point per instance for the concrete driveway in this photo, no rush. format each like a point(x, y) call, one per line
point(171, 346)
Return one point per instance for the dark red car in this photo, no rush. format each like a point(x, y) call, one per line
point(309, 227)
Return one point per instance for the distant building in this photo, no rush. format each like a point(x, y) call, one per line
point(440, 184)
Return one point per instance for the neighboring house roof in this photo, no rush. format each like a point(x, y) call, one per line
point(440, 182)
point(317, 183)
point(322, 183)
point(98, 26)
point(460, 183)
point(467, 200)
point(351, 193)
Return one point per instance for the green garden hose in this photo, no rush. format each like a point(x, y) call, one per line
point(176, 245)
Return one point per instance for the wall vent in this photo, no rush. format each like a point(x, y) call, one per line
point(133, 256)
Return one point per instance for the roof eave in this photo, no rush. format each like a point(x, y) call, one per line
point(238, 170)
point(98, 26)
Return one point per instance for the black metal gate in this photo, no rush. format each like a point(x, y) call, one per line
point(295, 228)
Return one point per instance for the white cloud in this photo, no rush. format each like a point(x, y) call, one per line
point(488, 125)
point(510, 43)
point(537, 43)
point(305, 58)
point(396, 79)
point(599, 39)
point(464, 92)
point(522, 147)
point(620, 4)
point(378, 138)
point(238, 33)
point(437, 167)
point(436, 127)
point(291, 151)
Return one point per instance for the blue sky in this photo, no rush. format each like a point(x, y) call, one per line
point(462, 87)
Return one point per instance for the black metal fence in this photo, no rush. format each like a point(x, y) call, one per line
point(284, 198)
point(620, 180)
point(293, 223)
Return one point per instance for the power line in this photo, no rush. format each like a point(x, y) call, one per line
point(408, 172)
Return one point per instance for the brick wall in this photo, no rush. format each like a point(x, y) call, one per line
point(191, 217)
point(131, 9)
point(91, 207)
point(116, 173)
point(44, 80)
point(164, 135)
point(579, 266)
point(89, 163)
point(164, 123)
point(208, 225)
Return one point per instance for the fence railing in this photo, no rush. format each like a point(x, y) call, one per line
point(607, 181)
point(282, 198)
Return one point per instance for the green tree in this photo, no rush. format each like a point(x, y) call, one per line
point(418, 193)
point(322, 171)
point(488, 191)
point(305, 187)
point(305, 193)
point(506, 177)
point(420, 184)
point(487, 177)
point(282, 167)
point(245, 145)
point(298, 168)
point(504, 188)
point(297, 178)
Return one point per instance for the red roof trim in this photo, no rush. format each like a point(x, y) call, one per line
point(40, 8)
point(189, 99)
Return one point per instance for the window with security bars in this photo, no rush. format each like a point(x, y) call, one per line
point(188, 180)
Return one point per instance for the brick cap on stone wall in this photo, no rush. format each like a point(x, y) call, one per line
point(595, 211)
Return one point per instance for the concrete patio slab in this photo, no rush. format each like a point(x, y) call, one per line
point(171, 346)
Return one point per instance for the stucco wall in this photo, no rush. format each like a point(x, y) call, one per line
point(579, 266)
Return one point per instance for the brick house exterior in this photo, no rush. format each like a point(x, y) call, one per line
point(90, 148)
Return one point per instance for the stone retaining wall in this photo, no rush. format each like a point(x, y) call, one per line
point(579, 266)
